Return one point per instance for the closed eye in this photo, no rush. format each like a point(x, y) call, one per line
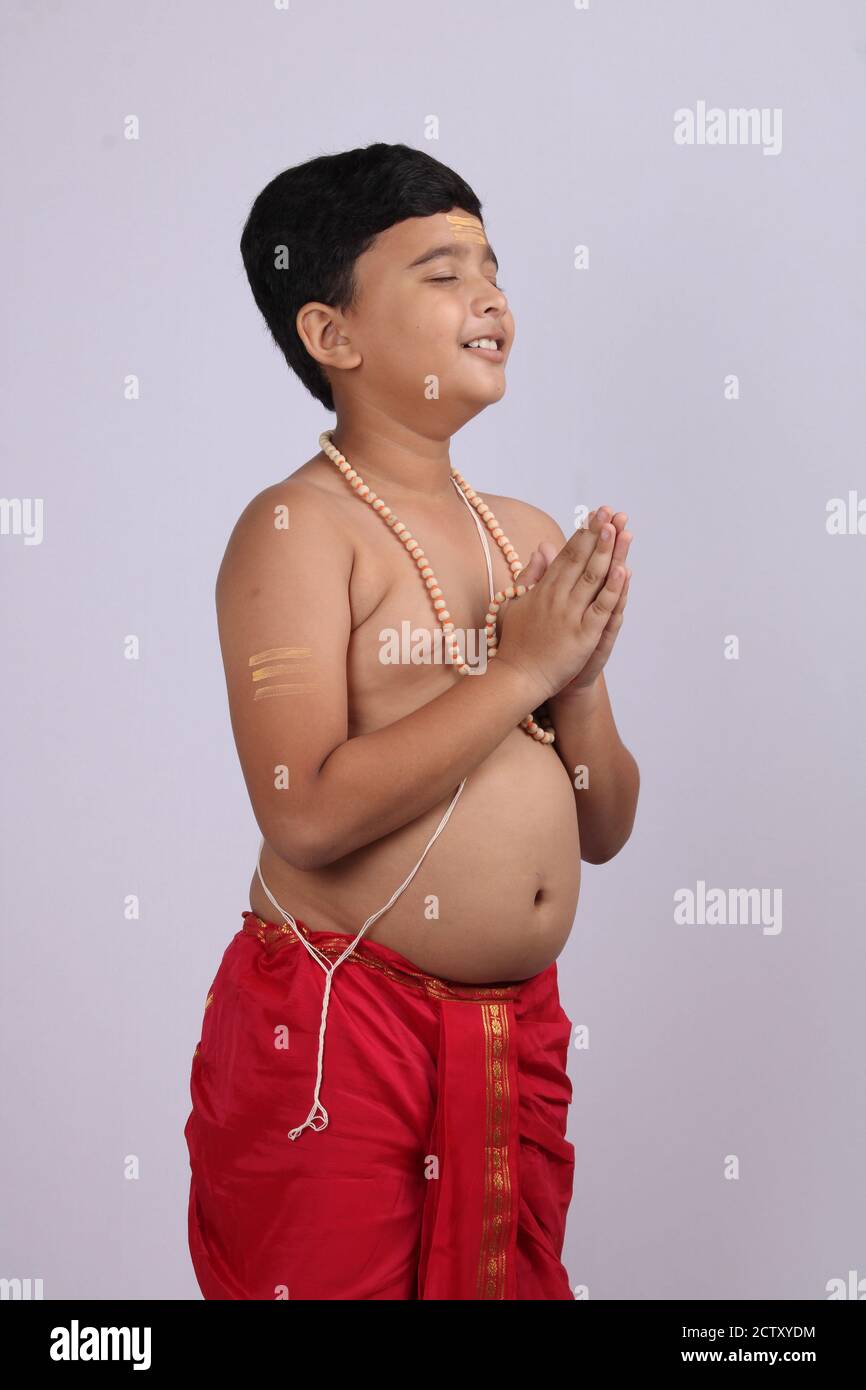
point(446, 279)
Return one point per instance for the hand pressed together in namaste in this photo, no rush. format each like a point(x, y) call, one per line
point(607, 544)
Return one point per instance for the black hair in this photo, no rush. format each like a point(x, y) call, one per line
point(326, 213)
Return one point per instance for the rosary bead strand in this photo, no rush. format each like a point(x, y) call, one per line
point(542, 733)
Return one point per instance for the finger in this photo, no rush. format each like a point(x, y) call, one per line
point(622, 541)
point(568, 564)
point(617, 519)
point(598, 564)
point(620, 548)
point(614, 622)
point(571, 561)
point(620, 603)
point(597, 613)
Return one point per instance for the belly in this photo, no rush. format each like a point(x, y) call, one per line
point(496, 895)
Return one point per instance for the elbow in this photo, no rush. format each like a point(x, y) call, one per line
point(315, 832)
point(608, 847)
point(299, 848)
point(614, 846)
point(305, 845)
point(600, 856)
point(593, 855)
point(602, 851)
point(316, 854)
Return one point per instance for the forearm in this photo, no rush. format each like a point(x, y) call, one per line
point(377, 782)
point(606, 793)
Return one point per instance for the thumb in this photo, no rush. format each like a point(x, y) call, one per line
point(532, 572)
point(539, 562)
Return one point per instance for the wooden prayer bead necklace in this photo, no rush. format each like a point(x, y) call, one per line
point(542, 731)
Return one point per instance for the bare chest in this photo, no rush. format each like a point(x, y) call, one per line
point(396, 659)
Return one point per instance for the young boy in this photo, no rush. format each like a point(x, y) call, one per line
point(395, 1129)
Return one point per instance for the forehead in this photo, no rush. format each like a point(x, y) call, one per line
point(398, 246)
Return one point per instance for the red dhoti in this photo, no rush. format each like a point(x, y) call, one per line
point(444, 1171)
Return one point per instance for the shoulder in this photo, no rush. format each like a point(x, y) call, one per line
point(524, 522)
point(300, 509)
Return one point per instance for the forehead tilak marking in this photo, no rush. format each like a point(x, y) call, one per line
point(466, 228)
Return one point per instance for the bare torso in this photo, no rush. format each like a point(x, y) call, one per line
point(504, 874)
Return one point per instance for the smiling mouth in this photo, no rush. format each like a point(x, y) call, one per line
point(491, 348)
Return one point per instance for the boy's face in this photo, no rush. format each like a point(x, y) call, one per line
point(427, 287)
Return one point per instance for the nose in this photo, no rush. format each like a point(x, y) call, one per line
point(496, 299)
point(492, 304)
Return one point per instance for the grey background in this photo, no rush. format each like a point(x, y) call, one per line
point(121, 777)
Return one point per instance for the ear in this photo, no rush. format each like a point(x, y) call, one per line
point(324, 334)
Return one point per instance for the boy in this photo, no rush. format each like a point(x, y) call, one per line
point(432, 1162)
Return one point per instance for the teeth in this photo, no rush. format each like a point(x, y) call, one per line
point(483, 343)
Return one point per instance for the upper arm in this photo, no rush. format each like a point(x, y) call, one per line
point(284, 619)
